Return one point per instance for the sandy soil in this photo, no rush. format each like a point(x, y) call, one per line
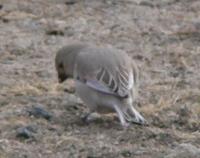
point(162, 36)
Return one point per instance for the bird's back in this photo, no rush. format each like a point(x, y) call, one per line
point(108, 70)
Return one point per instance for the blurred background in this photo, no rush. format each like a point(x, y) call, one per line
point(40, 118)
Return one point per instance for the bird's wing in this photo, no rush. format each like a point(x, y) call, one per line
point(108, 73)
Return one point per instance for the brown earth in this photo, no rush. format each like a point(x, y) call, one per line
point(162, 36)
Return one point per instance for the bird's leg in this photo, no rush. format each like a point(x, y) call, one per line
point(121, 116)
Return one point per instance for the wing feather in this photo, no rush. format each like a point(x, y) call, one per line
point(111, 75)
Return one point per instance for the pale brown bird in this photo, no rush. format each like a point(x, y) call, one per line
point(106, 79)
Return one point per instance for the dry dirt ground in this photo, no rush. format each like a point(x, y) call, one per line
point(41, 119)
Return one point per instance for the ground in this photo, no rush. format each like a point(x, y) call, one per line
point(41, 118)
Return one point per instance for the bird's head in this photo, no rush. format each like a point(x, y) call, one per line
point(61, 69)
point(62, 76)
point(65, 61)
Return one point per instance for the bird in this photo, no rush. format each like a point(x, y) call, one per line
point(106, 79)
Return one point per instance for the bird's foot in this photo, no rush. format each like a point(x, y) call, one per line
point(125, 125)
point(140, 120)
point(90, 117)
point(136, 119)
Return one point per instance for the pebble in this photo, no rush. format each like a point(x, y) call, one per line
point(26, 132)
point(39, 112)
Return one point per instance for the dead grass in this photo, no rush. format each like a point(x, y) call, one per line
point(165, 46)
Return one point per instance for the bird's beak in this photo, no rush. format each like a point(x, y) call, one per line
point(62, 78)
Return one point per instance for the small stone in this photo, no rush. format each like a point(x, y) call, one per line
point(71, 2)
point(39, 112)
point(184, 111)
point(55, 33)
point(1, 6)
point(126, 153)
point(147, 3)
point(25, 132)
